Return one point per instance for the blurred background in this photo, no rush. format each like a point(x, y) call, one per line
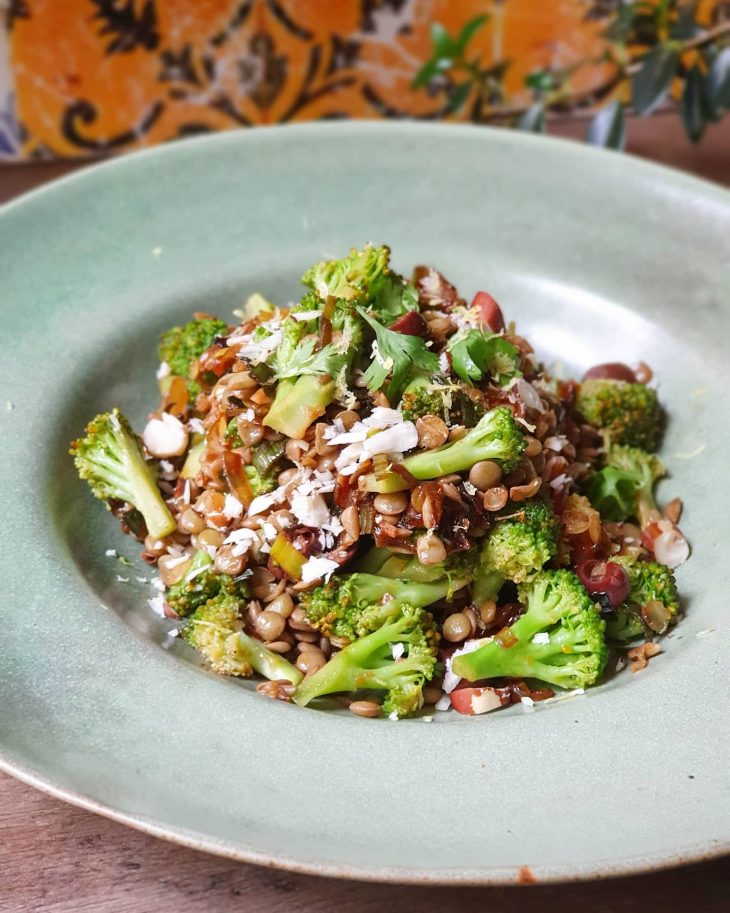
point(81, 79)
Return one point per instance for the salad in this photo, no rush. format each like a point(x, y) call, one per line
point(380, 496)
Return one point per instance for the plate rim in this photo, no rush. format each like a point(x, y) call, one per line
point(505, 876)
point(561, 873)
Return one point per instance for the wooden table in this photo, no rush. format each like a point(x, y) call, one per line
point(59, 859)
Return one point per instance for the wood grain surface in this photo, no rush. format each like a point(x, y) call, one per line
point(58, 859)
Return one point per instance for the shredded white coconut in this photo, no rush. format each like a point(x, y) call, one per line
point(157, 604)
point(232, 507)
point(111, 553)
point(318, 568)
point(264, 502)
point(310, 510)
point(469, 646)
point(163, 371)
point(397, 650)
point(165, 436)
point(542, 638)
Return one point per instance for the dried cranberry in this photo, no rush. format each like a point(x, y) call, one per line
point(604, 577)
point(613, 370)
point(410, 324)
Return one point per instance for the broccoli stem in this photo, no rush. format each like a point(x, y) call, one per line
point(496, 437)
point(363, 664)
point(267, 663)
point(486, 586)
point(298, 403)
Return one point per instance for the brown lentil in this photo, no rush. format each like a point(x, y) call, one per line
point(286, 476)
point(154, 546)
point(283, 605)
point(391, 504)
point(190, 522)
point(269, 625)
point(298, 620)
point(457, 432)
point(172, 569)
point(432, 432)
point(350, 519)
point(249, 432)
point(226, 562)
point(487, 612)
point(209, 538)
point(533, 447)
point(428, 512)
point(310, 661)
point(280, 690)
point(310, 636)
point(495, 498)
point(365, 708)
point(485, 474)
point(279, 646)
point(456, 627)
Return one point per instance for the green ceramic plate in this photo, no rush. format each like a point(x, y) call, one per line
point(598, 257)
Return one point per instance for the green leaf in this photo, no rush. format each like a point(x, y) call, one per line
point(475, 354)
point(468, 32)
point(396, 355)
point(430, 70)
point(459, 96)
point(540, 81)
point(533, 120)
point(620, 27)
point(695, 106)
point(304, 360)
point(685, 26)
point(608, 127)
point(718, 82)
point(443, 43)
point(649, 87)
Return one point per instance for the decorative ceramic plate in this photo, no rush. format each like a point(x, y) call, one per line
point(598, 257)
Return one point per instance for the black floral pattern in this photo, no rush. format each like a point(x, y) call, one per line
point(125, 26)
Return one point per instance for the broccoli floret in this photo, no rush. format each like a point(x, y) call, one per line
point(476, 355)
point(625, 486)
point(455, 404)
point(308, 377)
point(214, 631)
point(627, 413)
point(180, 347)
point(201, 583)
point(111, 460)
point(260, 485)
point(650, 582)
point(368, 663)
point(516, 549)
point(496, 437)
point(570, 651)
point(335, 607)
point(351, 278)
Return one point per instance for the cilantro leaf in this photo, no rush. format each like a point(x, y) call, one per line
point(305, 360)
point(395, 355)
point(474, 355)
